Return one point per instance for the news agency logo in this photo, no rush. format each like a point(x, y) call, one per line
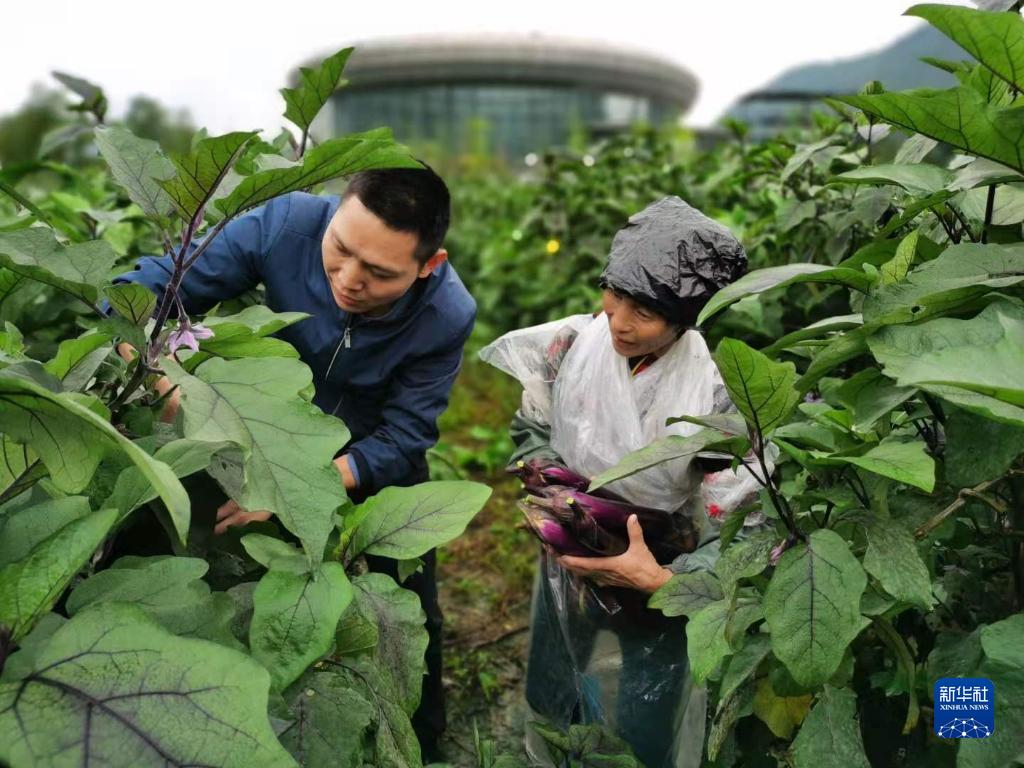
point(965, 708)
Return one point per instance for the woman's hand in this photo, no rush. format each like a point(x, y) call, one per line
point(635, 568)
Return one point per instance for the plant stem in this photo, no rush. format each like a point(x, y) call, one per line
point(990, 205)
point(954, 238)
point(956, 506)
point(25, 203)
point(963, 224)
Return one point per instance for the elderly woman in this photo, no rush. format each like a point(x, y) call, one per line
point(597, 388)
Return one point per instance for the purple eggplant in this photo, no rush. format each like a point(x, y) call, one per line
point(538, 473)
point(550, 531)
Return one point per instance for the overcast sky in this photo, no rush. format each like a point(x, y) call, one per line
point(224, 60)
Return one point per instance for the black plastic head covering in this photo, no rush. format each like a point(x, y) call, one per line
point(673, 259)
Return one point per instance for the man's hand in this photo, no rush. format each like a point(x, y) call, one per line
point(345, 470)
point(229, 514)
point(635, 568)
point(162, 386)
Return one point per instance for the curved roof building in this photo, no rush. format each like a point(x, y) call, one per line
point(509, 94)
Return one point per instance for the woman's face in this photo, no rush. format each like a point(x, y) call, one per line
point(635, 329)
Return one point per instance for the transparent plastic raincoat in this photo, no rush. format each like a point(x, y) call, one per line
point(599, 655)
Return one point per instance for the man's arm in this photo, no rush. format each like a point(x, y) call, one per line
point(409, 417)
point(230, 265)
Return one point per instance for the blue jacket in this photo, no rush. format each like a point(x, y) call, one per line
point(390, 381)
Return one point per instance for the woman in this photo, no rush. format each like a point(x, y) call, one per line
point(596, 389)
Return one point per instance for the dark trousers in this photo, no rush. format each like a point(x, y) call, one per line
point(429, 720)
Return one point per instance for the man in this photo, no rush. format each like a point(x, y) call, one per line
point(389, 317)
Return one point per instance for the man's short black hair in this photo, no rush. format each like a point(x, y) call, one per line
point(412, 200)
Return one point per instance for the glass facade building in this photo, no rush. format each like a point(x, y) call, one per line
point(511, 97)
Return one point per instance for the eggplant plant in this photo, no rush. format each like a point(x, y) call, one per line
point(284, 651)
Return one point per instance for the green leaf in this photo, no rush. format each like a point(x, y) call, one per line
point(27, 521)
point(814, 331)
point(112, 687)
point(742, 666)
point(762, 280)
point(329, 160)
point(19, 467)
point(918, 179)
point(171, 592)
point(403, 523)
point(401, 636)
point(132, 301)
point(894, 271)
point(706, 645)
point(274, 554)
point(960, 117)
point(69, 438)
point(93, 99)
point(977, 363)
point(686, 593)
point(31, 585)
point(905, 461)
point(671, 448)
point(139, 166)
point(762, 390)
point(316, 86)
point(893, 559)
point(78, 270)
point(812, 606)
point(201, 171)
point(869, 396)
point(978, 449)
point(830, 736)
point(288, 444)
point(587, 746)
point(330, 720)
point(184, 457)
point(259, 319)
point(77, 360)
point(745, 558)
point(294, 618)
point(996, 40)
point(841, 349)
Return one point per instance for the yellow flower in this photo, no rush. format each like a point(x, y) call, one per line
point(552, 247)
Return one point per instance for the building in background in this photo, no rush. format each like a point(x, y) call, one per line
point(508, 95)
point(790, 98)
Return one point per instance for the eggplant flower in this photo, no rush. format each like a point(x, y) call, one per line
point(188, 335)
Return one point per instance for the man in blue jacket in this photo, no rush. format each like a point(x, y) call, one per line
point(389, 317)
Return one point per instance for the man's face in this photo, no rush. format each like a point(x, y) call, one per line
point(369, 265)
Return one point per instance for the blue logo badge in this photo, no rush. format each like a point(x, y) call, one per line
point(965, 708)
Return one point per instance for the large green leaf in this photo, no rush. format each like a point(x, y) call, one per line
point(401, 634)
point(403, 523)
point(763, 391)
point(918, 179)
point(294, 617)
point(706, 644)
point(111, 687)
point(169, 589)
point(70, 440)
point(316, 86)
point(31, 518)
point(830, 736)
point(30, 585)
point(686, 593)
point(762, 280)
point(893, 559)
point(812, 606)
point(960, 117)
point(330, 720)
point(745, 558)
point(978, 449)
point(201, 171)
point(996, 40)
point(669, 448)
point(905, 461)
point(960, 274)
point(329, 160)
point(814, 331)
point(274, 554)
point(976, 363)
point(139, 166)
point(79, 270)
point(869, 396)
point(288, 444)
point(259, 319)
point(77, 360)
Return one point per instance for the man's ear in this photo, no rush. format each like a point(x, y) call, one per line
point(434, 262)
